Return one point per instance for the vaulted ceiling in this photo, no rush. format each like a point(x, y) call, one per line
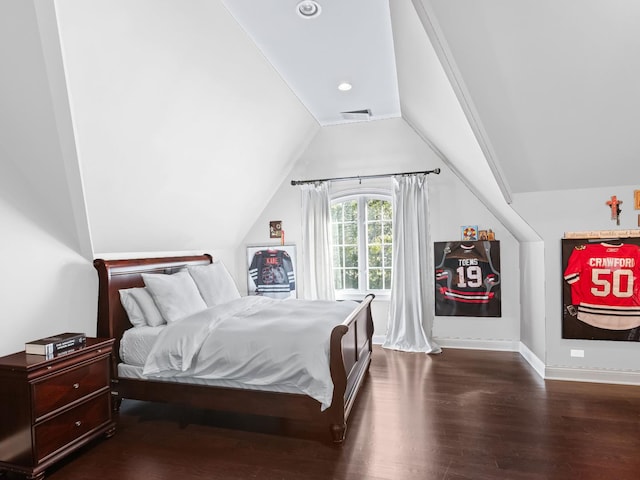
point(346, 44)
point(553, 86)
point(548, 88)
point(161, 118)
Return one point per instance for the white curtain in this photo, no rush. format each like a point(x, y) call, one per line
point(411, 312)
point(317, 281)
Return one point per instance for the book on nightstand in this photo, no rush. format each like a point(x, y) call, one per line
point(55, 345)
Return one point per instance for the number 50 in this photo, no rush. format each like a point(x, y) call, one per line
point(607, 282)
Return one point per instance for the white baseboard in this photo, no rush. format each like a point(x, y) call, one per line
point(579, 374)
point(478, 344)
point(532, 359)
point(470, 343)
point(574, 374)
point(593, 375)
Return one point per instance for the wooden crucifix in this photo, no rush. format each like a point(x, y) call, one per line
point(614, 204)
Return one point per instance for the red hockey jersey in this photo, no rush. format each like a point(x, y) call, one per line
point(605, 284)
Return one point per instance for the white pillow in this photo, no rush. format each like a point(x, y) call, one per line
point(175, 295)
point(214, 282)
point(140, 307)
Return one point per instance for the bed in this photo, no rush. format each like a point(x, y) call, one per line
point(350, 347)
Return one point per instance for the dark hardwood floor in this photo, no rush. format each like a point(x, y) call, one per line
point(461, 415)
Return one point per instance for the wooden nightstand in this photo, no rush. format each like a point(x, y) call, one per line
point(50, 408)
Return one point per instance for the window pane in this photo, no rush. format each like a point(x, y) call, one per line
point(387, 211)
point(387, 232)
point(374, 209)
point(375, 256)
point(351, 278)
point(387, 255)
point(336, 212)
point(338, 257)
point(375, 279)
point(337, 232)
point(338, 282)
point(374, 233)
point(351, 234)
point(351, 211)
point(387, 279)
point(351, 257)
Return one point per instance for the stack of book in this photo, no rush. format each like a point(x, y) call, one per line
point(57, 345)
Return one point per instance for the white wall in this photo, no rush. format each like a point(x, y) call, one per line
point(391, 146)
point(552, 214)
point(47, 284)
point(28, 128)
point(183, 129)
point(452, 204)
point(532, 299)
point(435, 104)
point(46, 287)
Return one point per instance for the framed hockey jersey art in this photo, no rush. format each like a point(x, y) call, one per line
point(601, 289)
point(271, 271)
point(467, 278)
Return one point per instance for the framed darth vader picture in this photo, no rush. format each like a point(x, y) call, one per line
point(271, 271)
point(467, 278)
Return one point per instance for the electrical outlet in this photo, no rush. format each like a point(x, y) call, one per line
point(577, 353)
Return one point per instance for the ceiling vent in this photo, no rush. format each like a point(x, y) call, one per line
point(364, 114)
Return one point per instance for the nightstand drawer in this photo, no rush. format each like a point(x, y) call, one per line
point(64, 388)
point(51, 407)
point(63, 429)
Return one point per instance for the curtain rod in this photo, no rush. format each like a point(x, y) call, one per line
point(364, 177)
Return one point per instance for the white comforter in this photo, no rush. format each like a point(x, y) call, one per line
point(254, 340)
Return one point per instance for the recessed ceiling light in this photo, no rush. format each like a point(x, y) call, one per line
point(308, 9)
point(344, 86)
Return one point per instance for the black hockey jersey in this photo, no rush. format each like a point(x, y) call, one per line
point(272, 273)
point(466, 280)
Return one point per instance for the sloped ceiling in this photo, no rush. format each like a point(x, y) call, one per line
point(183, 129)
point(547, 88)
point(430, 106)
point(179, 118)
point(32, 173)
point(554, 86)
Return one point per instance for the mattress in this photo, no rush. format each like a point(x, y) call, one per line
point(135, 373)
point(135, 346)
point(270, 345)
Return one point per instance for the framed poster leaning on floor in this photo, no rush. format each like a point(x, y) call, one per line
point(271, 271)
point(467, 278)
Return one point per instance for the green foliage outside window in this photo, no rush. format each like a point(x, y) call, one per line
point(362, 243)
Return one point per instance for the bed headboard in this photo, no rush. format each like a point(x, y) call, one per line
point(114, 275)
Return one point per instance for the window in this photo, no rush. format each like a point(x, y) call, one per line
point(362, 240)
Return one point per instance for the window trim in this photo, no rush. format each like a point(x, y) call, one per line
point(358, 194)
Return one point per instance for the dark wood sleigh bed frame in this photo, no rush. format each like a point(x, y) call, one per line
point(350, 356)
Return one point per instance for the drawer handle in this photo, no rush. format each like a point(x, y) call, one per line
point(78, 423)
point(76, 386)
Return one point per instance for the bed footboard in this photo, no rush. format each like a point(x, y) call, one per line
point(350, 356)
